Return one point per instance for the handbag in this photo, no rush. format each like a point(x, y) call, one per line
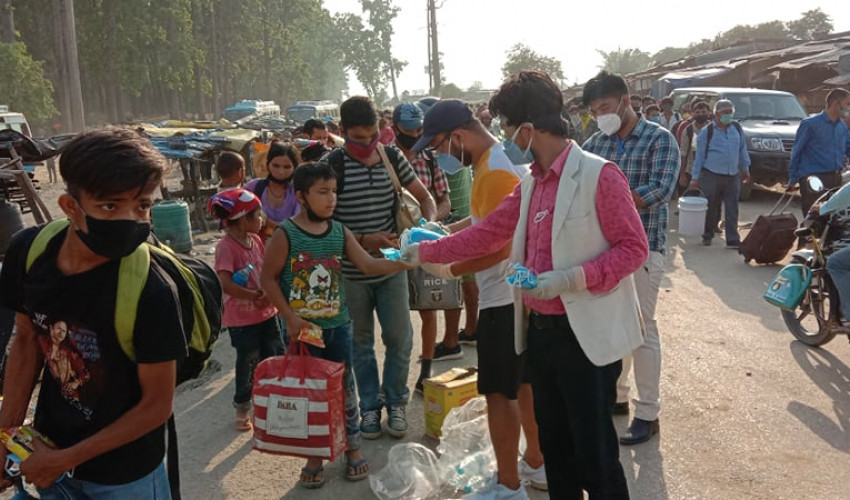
point(299, 407)
point(408, 210)
point(428, 292)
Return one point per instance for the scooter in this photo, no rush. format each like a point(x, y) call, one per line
point(809, 314)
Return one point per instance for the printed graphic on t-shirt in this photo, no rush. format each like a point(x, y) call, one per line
point(315, 286)
point(70, 354)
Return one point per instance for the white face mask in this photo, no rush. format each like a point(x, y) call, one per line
point(610, 123)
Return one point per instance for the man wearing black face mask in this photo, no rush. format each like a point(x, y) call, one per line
point(700, 117)
point(105, 412)
point(407, 125)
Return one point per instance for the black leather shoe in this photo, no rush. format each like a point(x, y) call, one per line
point(621, 408)
point(640, 431)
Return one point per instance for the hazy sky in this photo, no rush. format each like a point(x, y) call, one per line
point(475, 34)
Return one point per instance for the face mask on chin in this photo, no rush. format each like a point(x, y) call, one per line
point(113, 239)
point(313, 216)
point(610, 123)
point(515, 153)
point(448, 162)
point(282, 182)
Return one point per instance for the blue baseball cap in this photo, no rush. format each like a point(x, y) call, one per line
point(408, 115)
point(444, 116)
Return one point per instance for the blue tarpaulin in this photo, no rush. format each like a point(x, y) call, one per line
point(692, 78)
point(192, 145)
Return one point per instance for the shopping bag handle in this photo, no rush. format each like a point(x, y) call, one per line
point(302, 352)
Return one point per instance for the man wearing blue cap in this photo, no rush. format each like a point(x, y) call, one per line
point(457, 138)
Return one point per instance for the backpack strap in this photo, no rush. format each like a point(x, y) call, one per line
point(172, 462)
point(261, 187)
point(45, 234)
point(132, 276)
point(336, 160)
point(709, 133)
point(201, 326)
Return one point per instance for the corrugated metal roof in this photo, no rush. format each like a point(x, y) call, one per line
point(827, 55)
point(838, 80)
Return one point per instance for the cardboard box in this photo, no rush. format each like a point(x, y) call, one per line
point(444, 392)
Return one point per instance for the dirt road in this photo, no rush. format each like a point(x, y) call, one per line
point(747, 413)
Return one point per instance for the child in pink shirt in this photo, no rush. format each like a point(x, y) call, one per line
point(249, 317)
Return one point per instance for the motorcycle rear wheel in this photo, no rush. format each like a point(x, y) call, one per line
point(808, 321)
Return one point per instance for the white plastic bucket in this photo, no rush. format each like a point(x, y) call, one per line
point(692, 210)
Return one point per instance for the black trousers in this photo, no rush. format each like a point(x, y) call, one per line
point(573, 404)
point(809, 197)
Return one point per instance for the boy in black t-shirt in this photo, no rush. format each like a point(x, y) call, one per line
point(105, 412)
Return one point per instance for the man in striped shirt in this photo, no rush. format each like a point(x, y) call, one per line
point(366, 204)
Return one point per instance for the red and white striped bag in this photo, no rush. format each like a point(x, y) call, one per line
point(299, 408)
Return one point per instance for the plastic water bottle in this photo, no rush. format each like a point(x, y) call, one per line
point(471, 473)
point(241, 276)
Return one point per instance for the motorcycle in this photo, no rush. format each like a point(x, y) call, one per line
point(818, 305)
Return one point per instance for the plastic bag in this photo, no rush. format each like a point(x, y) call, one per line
point(312, 336)
point(412, 472)
point(521, 277)
point(427, 231)
point(466, 452)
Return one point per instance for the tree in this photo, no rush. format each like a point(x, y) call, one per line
point(668, 54)
point(361, 52)
point(624, 61)
point(451, 91)
point(29, 91)
point(520, 57)
point(814, 25)
point(381, 15)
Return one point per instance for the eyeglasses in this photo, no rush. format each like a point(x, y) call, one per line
point(436, 149)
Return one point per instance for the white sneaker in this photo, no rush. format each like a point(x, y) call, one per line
point(496, 491)
point(535, 477)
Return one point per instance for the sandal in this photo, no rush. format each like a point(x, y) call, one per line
point(314, 481)
point(243, 424)
point(351, 470)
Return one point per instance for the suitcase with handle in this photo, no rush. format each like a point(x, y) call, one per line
point(771, 236)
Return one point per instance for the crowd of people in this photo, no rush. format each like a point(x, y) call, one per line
point(577, 193)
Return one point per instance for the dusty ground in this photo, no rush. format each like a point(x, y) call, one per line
point(748, 413)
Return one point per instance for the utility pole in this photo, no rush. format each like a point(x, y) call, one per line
point(434, 60)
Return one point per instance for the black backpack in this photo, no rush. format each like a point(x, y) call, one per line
point(336, 159)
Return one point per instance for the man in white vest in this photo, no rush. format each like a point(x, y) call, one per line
point(574, 223)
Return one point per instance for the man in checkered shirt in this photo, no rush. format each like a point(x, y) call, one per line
point(649, 157)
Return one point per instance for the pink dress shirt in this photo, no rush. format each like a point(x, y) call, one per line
point(618, 218)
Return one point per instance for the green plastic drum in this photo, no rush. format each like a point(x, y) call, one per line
point(171, 224)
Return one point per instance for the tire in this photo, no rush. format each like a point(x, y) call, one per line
point(746, 191)
point(807, 323)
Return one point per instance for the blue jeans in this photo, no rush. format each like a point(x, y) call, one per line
point(389, 298)
point(154, 486)
point(253, 343)
point(838, 266)
point(338, 347)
